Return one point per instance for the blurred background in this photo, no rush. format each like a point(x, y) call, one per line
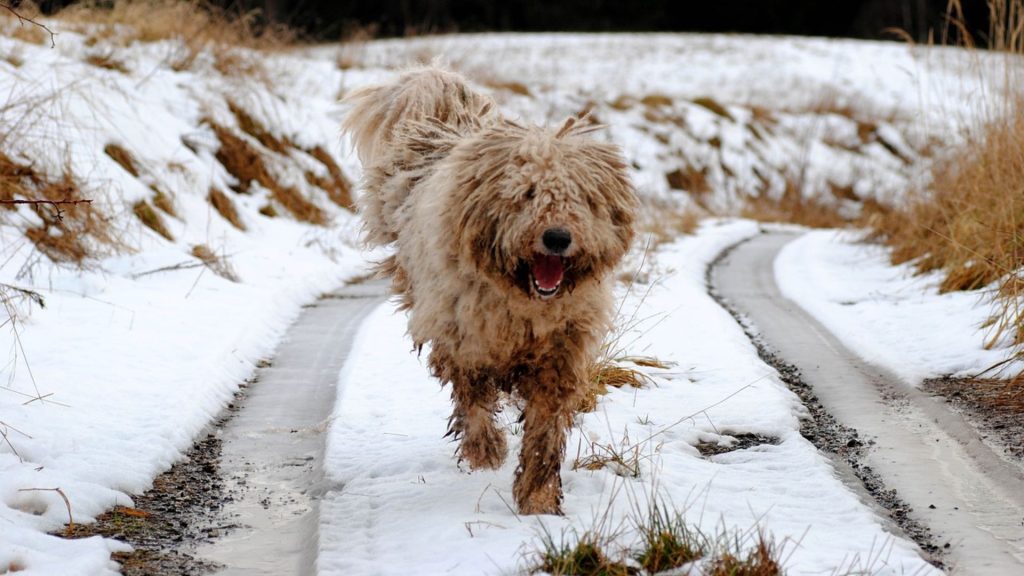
point(870, 19)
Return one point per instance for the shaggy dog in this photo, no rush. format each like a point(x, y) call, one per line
point(505, 240)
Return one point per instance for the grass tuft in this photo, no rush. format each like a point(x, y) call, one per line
point(218, 264)
point(338, 187)
point(761, 560)
point(667, 542)
point(689, 179)
point(241, 159)
point(246, 163)
point(622, 460)
point(151, 219)
point(108, 62)
point(656, 100)
point(513, 87)
point(123, 158)
point(68, 232)
point(581, 555)
point(164, 202)
point(712, 105)
point(198, 23)
point(252, 127)
point(301, 208)
point(225, 207)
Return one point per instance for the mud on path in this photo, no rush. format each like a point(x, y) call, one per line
point(244, 500)
point(919, 463)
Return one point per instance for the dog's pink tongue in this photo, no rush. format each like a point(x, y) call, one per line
point(547, 271)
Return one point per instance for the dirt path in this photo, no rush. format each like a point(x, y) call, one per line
point(938, 475)
point(272, 449)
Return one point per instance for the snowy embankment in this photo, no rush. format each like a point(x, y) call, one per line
point(142, 344)
point(219, 208)
point(401, 505)
point(888, 314)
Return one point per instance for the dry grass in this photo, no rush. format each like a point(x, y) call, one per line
point(198, 23)
point(246, 163)
point(241, 159)
point(252, 127)
point(623, 459)
point(656, 100)
point(793, 207)
point(623, 102)
point(969, 223)
point(712, 105)
point(300, 207)
point(661, 222)
point(164, 202)
point(580, 555)
point(667, 545)
point(225, 207)
point(761, 560)
point(617, 370)
point(689, 179)
point(107, 61)
point(667, 542)
point(216, 263)
point(507, 86)
point(123, 157)
point(148, 215)
point(68, 233)
point(338, 187)
point(25, 30)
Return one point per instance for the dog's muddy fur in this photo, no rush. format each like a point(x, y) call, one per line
point(505, 237)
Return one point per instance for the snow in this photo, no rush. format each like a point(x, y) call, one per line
point(887, 314)
point(135, 354)
point(400, 504)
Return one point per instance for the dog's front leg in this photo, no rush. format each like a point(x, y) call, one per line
point(482, 443)
point(550, 404)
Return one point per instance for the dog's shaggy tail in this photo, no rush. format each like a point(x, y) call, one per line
point(400, 129)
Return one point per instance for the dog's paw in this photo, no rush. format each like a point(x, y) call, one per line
point(483, 448)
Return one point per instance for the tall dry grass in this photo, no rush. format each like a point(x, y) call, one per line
point(969, 223)
point(199, 26)
point(197, 22)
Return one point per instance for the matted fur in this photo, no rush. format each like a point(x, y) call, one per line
point(465, 196)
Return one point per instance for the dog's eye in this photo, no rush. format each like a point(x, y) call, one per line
point(529, 193)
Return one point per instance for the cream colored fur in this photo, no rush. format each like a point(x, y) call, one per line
point(465, 197)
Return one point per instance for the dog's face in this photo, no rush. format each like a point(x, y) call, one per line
point(540, 211)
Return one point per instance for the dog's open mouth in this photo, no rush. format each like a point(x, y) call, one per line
point(546, 273)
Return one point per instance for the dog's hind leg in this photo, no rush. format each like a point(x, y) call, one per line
point(550, 404)
point(482, 443)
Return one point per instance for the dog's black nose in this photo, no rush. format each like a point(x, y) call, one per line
point(557, 240)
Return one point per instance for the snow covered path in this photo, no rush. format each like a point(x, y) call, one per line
point(938, 464)
point(273, 448)
point(716, 438)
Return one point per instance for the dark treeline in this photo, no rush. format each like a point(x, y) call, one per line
point(331, 19)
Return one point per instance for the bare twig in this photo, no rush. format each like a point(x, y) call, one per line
point(71, 521)
point(55, 203)
point(23, 19)
point(30, 294)
point(4, 427)
point(187, 265)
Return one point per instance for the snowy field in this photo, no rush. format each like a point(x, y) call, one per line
point(138, 349)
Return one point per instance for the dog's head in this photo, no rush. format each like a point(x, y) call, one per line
point(540, 211)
